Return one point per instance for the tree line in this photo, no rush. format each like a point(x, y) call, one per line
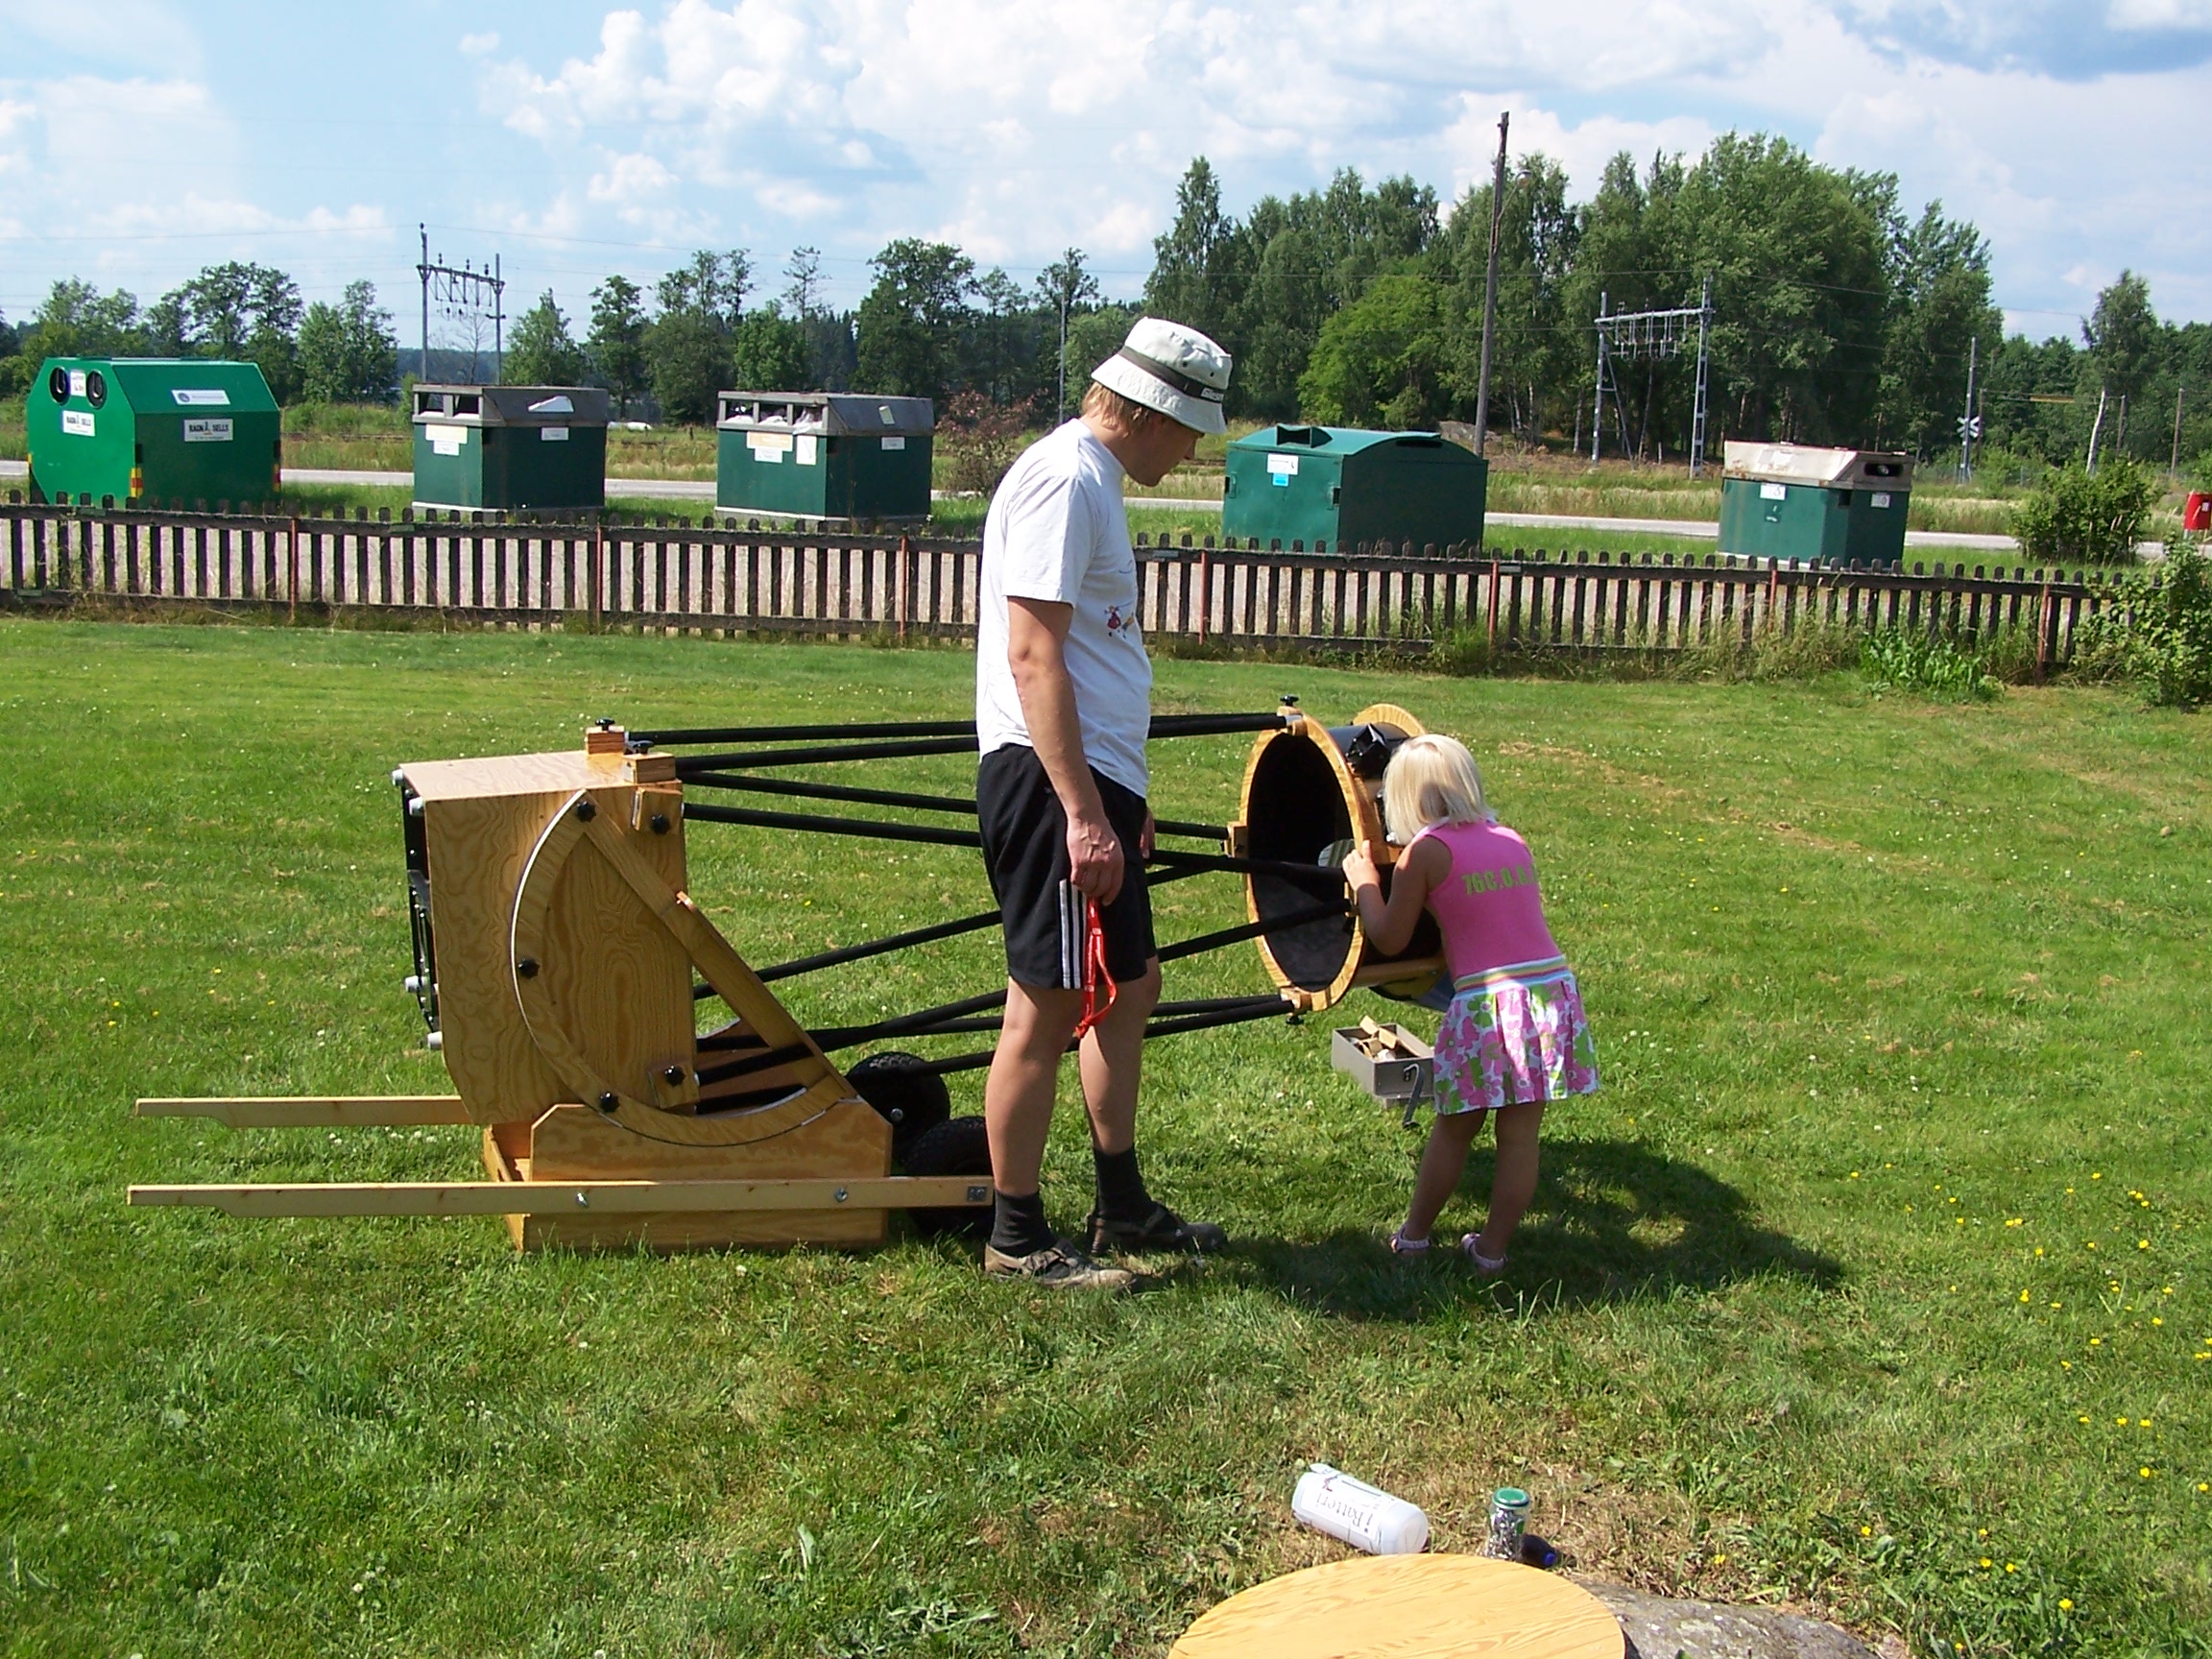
point(1835, 318)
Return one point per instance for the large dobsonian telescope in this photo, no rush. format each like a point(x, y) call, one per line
point(561, 965)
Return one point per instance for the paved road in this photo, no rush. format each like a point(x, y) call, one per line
point(702, 490)
point(1706, 529)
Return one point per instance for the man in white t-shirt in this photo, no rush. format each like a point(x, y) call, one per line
point(1063, 705)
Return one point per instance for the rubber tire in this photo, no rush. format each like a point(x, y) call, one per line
point(956, 1146)
point(905, 1093)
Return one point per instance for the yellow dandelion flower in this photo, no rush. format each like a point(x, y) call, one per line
point(2065, 1603)
point(2144, 1471)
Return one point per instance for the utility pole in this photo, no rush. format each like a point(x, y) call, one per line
point(1967, 421)
point(2173, 466)
point(1698, 403)
point(1490, 289)
point(1598, 410)
point(1063, 404)
point(422, 369)
point(2095, 427)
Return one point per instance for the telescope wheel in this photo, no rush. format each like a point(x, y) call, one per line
point(956, 1146)
point(906, 1095)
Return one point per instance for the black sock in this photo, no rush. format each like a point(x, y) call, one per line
point(1018, 1224)
point(1120, 1186)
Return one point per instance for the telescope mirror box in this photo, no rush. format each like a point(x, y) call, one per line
point(1387, 1062)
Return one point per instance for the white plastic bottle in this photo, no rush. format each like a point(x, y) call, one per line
point(1365, 1517)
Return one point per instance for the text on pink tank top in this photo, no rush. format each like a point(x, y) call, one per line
point(1488, 906)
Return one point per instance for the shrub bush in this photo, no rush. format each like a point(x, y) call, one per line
point(2074, 516)
point(2157, 631)
point(982, 440)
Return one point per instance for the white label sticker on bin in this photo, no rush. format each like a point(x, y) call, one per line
point(206, 429)
point(1282, 467)
point(552, 434)
point(1880, 498)
point(895, 443)
point(806, 449)
point(1773, 491)
point(445, 440)
point(210, 396)
point(769, 447)
point(76, 382)
point(78, 422)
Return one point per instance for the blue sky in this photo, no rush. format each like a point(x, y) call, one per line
point(140, 139)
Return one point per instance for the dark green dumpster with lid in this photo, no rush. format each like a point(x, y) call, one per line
point(510, 448)
point(844, 455)
point(1818, 506)
point(1340, 487)
point(153, 429)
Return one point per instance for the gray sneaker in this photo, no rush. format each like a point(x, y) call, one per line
point(1058, 1265)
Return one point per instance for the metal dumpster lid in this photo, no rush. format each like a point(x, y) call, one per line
point(511, 405)
point(1803, 463)
point(833, 414)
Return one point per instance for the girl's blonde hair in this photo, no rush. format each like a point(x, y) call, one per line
point(1432, 781)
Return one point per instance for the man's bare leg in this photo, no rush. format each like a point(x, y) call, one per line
point(1025, 1079)
point(1112, 1060)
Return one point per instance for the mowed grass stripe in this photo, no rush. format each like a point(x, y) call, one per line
point(1890, 997)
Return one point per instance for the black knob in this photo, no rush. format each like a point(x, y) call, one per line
point(660, 822)
point(675, 1075)
point(609, 1101)
point(587, 812)
point(527, 967)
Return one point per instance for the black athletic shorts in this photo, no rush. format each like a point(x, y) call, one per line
point(1025, 850)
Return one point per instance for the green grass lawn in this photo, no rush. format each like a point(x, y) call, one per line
point(1875, 1279)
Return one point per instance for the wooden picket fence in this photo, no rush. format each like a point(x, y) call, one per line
point(671, 574)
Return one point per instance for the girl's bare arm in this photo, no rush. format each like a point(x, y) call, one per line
point(1389, 923)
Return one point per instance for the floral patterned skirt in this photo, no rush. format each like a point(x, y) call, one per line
point(1514, 1034)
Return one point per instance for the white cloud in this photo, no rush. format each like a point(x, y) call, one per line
point(478, 45)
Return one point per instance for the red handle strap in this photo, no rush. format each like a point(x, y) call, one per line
point(1094, 973)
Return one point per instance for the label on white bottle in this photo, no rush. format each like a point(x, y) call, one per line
point(1363, 1516)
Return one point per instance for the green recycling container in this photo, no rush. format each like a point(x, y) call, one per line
point(191, 430)
point(1816, 506)
point(510, 447)
point(1337, 488)
point(824, 454)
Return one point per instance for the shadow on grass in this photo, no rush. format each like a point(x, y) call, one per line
point(1612, 1221)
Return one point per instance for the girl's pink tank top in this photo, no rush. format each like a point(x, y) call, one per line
point(1487, 907)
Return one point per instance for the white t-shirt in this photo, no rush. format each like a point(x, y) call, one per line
point(1057, 530)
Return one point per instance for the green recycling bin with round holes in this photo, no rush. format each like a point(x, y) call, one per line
point(196, 431)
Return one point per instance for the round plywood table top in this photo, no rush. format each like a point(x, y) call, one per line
point(1408, 1607)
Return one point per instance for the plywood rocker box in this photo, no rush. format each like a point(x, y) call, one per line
point(560, 962)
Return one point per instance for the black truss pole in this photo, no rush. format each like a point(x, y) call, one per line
point(1246, 1010)
point(688, 766)
point(803, 734)
point(831, 792)
point(900, 797)
point(876, 947)
point(1205, 941)
point(875, 828)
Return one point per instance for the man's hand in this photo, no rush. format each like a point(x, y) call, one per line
point(1095, 858)
point(1144, 846)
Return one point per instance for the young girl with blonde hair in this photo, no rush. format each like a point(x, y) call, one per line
point(1514, 1036)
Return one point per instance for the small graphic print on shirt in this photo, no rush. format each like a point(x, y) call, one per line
point(1116, 622)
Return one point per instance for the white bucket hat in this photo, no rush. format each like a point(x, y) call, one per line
point(1172, 369)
